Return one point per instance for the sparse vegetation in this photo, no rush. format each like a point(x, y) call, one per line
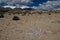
point(1, 15)
point(39, 12)
point(23, 13)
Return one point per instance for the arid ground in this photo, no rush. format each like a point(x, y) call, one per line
point(30, 27)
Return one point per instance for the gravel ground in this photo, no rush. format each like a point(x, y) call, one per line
point(30, 27)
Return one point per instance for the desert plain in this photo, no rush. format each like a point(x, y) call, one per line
point(35, 26)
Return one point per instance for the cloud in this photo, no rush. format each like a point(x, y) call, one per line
point(49, 5)
point(24, 7)
point(16, 2)
point(9, 7)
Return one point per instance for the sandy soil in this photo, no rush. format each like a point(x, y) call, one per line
point(32, 27)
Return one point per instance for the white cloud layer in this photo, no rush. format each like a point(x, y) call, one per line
point(49, 5)
point(9, 7)
point(19, 3)
point(16, 2)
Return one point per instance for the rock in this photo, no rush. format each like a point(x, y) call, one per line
point(1, 16)
point(16, 18)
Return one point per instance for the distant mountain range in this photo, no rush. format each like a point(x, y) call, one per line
point(2, 9)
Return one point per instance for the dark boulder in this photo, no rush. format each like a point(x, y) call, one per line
point(16, 18)
point(49, 14)
point(1, 16)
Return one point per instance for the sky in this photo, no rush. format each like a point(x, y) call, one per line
point(36, 4)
